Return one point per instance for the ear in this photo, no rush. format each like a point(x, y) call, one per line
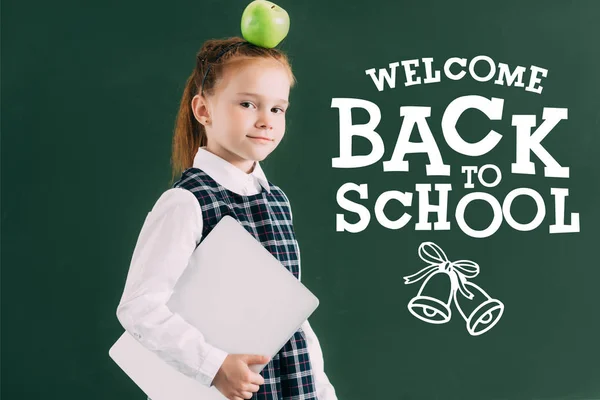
point(200, 109)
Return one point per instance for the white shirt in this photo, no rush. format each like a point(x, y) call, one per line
point(168, 237)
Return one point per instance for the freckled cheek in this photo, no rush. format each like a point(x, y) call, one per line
point(235, 113)
point(238, 118)
point(280, 131)
point(282, 127)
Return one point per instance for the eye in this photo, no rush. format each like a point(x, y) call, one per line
point(246, 104)
point(281, 110)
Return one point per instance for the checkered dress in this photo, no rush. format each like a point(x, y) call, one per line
point(267, 217)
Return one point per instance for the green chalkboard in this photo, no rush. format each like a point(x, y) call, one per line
point(90, 91)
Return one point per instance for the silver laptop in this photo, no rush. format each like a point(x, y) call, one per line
point(256, 306)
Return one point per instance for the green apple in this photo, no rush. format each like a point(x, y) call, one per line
point(265, 24)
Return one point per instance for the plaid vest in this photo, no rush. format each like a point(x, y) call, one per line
point(267, 217)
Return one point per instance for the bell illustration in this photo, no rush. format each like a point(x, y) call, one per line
point(481, 312)
point(429, 308)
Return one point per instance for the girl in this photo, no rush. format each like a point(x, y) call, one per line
point(232, 115)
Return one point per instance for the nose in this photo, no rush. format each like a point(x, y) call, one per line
point(264, 121)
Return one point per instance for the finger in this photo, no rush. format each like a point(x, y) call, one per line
point(256, 359)
point(252, 388)
point(257, 379)
point(246, 395)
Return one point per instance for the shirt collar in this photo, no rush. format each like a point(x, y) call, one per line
point(229, 176)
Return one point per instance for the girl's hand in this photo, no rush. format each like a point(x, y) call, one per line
point(235, 380)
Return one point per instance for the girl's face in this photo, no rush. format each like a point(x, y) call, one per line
point(246, 114)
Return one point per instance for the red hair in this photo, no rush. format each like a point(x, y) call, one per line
point(189, 134)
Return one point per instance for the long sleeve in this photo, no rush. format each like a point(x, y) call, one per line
point(325, 390)
point(167, 239)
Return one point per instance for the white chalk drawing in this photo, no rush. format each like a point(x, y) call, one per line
point(477, 308)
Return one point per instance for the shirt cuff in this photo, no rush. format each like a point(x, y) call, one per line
point(209, 368)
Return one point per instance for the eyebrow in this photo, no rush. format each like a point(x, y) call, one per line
point(259, 96)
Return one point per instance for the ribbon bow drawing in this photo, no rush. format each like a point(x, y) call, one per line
point(432, 254)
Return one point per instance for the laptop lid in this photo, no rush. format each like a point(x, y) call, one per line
point(249, 303)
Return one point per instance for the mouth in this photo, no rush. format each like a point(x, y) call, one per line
point(260, 138)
